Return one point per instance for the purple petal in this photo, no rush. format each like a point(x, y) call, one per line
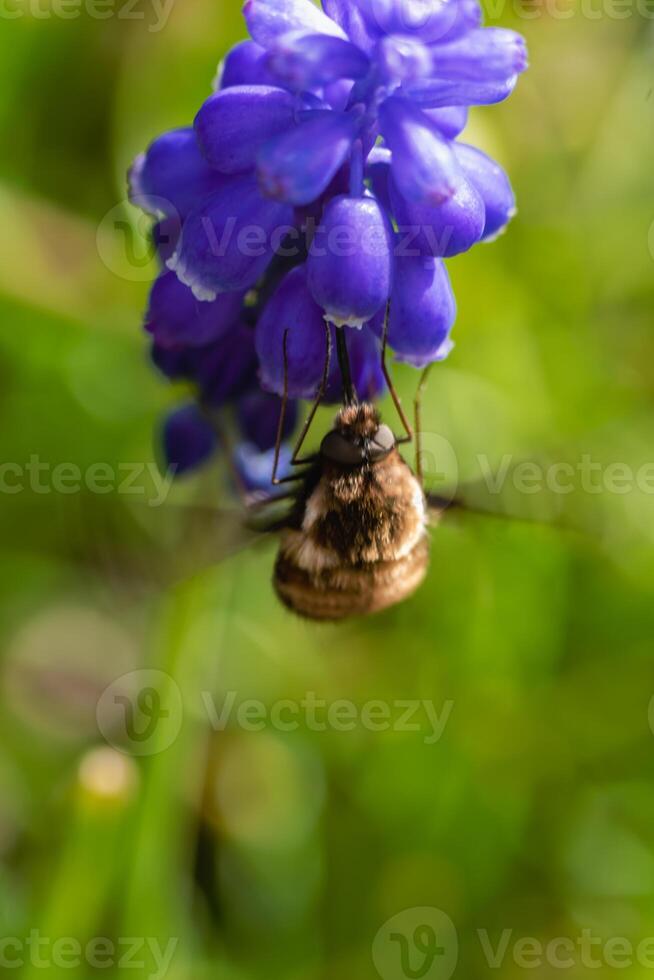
point(165, 236)
point(173, 362)
point(468, 16)
point(348, 16)
point(175, 317)
point(443, 230)
point(378, 171)
point(172, 177)
point(222, 370)
point(311, 214)
point(307, 61)
point(226, 369)
point(234, 124)
point(188, 439)
point(423, 311)
point(403, 59)
point(246, 64)
point(292, 309)
point(489, 54)
point(298, 165)
point(267, 20)
point(350, 265)
point(337, 95)
point(450, 121)
point(493, 185)
point(424, 166)
point(255, 468)
point(258, 415)
point(439, 93)
point(228, 243)
point(429, 20)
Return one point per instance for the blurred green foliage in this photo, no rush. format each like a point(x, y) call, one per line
point(280, 854)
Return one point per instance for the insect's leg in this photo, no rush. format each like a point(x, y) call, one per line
point(280, 427)
point(349, 393)
point(295, 460)
point(391, 387)
point(254, 504)
point(251, 502)
point(316, 405)
point(424, 377)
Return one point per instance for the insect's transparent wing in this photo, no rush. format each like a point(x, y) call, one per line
point(158, 545)
point(192, 538)
point(474, 499)
point(527, 491)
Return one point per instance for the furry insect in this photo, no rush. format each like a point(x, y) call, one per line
point(356, 538)
point(355, 528)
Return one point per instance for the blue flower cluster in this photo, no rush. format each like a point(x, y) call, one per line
point(322, 179)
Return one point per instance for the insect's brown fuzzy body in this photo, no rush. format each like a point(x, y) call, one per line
point(358, 542)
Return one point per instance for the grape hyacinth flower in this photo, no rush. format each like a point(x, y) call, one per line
point(321, 183)
point(222, 376)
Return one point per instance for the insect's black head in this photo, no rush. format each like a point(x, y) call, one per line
point(358, 437)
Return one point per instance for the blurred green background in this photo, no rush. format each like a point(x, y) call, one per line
point(280, 854)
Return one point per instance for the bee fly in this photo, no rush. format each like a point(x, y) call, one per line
point(354, 534)
point(355, 529)
point(355, 540)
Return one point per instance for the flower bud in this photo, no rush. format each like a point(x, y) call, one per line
point(299, 165)
point(443, 230)
point(188, 439)
point(350, 265)
point(424, 166)
point(292, 308)
point(245, 64)
point(450, 121)
point(309, 61)
point(439, 93)
point(234, 124)
point(268, 20)
point(228, 242)
point(175, 317)
point(489, 54)
point(422, 313)
point(172, 177)
point(492, 184)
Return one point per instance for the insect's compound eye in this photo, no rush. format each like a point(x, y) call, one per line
point(382, 443)
point(338, 449)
